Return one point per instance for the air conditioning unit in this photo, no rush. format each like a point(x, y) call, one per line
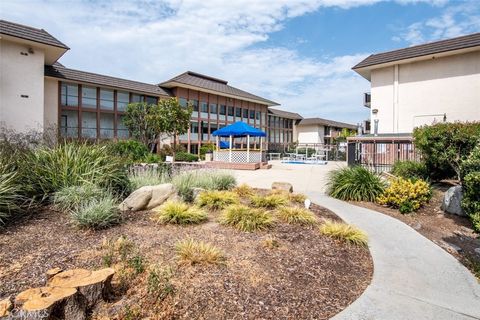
point(366, 99)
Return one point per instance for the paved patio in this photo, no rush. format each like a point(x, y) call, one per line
point(413, 277)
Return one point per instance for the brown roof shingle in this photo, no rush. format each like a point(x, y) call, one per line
point(285, 114)
point(463, 42)
point(29, 33)
point(61, 72)
point(327, 122)
point(214, 84)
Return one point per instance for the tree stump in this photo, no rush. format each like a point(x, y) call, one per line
point(92, 285)
point(52, 272)
point(5, 307)
point(51, 302)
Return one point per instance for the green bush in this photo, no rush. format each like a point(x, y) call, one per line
point(132, 150)
point(70, 198)
point(470, 172)
point(406, 195)
point(97, 213)
point(48, 170)
point(410, 170)
point(445, 145)
point(11, 198)
point(246, 219)
point(209, 180)
point(185, 157)
point(355, 183)
point(175, 212)
point(206, 148)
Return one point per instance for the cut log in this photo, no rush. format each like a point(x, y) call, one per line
point(5, 307)
point(92, 285)
point(51, 302)
point(52, 272)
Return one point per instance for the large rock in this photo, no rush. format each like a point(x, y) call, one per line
point(148, 197)
point(283, 186)
point(452, 201)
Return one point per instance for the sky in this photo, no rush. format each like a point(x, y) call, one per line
point(298, 53)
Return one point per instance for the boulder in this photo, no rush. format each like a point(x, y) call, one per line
point(147, 197)
point(283, 186)
point(452, 201)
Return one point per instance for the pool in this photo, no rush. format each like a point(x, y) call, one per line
point(305, 162)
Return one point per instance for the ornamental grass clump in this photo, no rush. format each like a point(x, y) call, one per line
point(297, 198)
point(11, 198)
point(406, 195)
point(344, 232)
point(175, 212)
point(216, 200)
point(271, 201)
point(97, 213)
point(246, 219)
point(295, 215)
point(355, 184)
point(244, 190)
point(70, 198)
point(149, 177)
point(185, 182)
point(194, 252)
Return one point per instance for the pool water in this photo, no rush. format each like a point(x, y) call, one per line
point(305, 162)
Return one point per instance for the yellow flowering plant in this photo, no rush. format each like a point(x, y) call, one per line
point(406, 195)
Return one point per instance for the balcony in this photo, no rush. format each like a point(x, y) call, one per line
point(366, 99)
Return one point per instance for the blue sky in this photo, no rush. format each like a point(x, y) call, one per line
point(296, 52)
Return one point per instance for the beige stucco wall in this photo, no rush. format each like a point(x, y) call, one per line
point(50, 118)
point(21, 74)
point(309, 134)
point(418, 93)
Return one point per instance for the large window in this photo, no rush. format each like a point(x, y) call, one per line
point(106, 125)
point(122, 131)
point(213, 111)
point(245, 114)
point(69, 124)
point(223, 109)
point(252, 114)
point(238, 112)
point(89, 97)
point(204, 130)
point(195, 108)
point(194, 131)
point(123, 99)
point(204, 110)
point(137, 98)
point(106, 99)
point(152, 100)
point(89, 125)
point(69, 95)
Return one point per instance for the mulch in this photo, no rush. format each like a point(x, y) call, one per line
point(308, 276)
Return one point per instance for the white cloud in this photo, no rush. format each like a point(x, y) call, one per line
point(460, 19)
point(151, 41)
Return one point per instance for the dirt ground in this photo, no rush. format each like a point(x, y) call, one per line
point(451, 232)
point(308, 276)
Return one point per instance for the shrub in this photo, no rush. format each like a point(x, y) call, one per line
point(186, 157)
point(444, 146)
point(296, 215)
point(149, 177)
point(354, 183)
point(72, 164)
point(216, 200)
point(470, 171)
point(297, 198)
point(344, 232)
point(193, 252)
point(98, 213)
point(406, 195)
point(132, 150)
point(410, 170)
point(179, 213)
point(70, 198)
point(11, 198)
point(210, 180)
point(245, 218)
point(243, 190)
point(271, 201)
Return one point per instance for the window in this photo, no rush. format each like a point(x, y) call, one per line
point(122, 131)
point(238, 112)
point(123, 98)
point(257, 115)
point(69, 96)
point(106, 125)
point(252, 114)
point(106, 99)
point(213, 108)
point(204, 107)
point(194, 127)
point(204, 130)
point(223, 109)
point(245, 113)
point(151, 100)
point(182, 102)
point(137, 98)
point(69, 124)
point(89, 97)
point(230, 111)
point(89, 125)
point(194, 105)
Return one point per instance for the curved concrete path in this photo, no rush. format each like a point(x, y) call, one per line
point(413, 277)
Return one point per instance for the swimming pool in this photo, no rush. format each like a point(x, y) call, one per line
point(305, 162)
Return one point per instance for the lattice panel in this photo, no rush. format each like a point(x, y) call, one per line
point(238, 156)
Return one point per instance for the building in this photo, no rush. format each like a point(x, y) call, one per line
point(320, 131)
point(423, 84)
point(36, 91)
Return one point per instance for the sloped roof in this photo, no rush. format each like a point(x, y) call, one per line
point(29, 33)
point(326, 122)
point(201, 81)
point(463, 42)
point(285, 114)
point(61, 72)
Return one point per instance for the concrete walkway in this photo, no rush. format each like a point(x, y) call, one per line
point(413, 277)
